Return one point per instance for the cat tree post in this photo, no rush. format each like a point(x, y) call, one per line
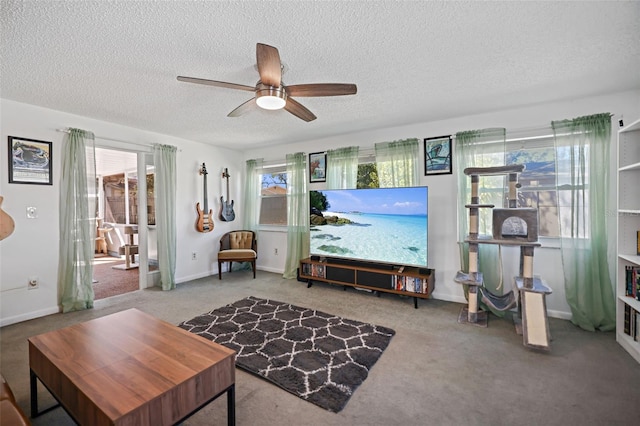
point(527, 266)
point(472, 309)
point(473, 278)
point(513, 189)
point(473, 208)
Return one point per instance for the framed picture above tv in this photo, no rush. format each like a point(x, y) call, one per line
point(437, 156)
point(318, 167)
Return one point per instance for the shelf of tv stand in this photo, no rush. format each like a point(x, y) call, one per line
point(367, 275)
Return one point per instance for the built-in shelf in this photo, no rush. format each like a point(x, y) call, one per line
point(628, 224)
point(631, 258)
point(635, 304)
point(630, 167)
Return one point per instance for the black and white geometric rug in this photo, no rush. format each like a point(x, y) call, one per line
point(319, 357)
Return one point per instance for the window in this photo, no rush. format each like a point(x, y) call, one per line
point(115, 196)
point(273, 193)
point(121, 198)
point(537, 183)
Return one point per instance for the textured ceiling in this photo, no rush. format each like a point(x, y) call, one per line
point(117, 61)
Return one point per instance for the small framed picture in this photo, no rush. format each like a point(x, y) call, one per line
point(30, 161)
point(318, 167)
point(437, 156)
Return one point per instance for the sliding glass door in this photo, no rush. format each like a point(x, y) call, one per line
point(126, 205)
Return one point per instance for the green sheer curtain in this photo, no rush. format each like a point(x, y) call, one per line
point(398, 163)
point(297, 213)
point(481, 148)
point(252, 194)
point(77, 221)
point(342, 168)
point(164, 158)
point(582, 170)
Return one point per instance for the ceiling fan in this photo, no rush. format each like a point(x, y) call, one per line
point(271, 93)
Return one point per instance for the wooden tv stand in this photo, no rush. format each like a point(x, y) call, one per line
point(405, 280)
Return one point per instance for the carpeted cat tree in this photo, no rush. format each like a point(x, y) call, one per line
point(512, 226)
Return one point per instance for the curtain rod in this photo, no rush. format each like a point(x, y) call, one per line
point(111, 139)
point(547, 128)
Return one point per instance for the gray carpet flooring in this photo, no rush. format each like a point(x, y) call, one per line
point(434, 372)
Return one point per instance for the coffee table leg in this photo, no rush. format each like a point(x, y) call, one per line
point(231, 405)
point(33, 384)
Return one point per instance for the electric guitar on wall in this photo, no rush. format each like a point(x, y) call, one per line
point(205, 221)
point(226, 208)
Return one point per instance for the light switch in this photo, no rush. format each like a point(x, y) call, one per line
point(32, 213)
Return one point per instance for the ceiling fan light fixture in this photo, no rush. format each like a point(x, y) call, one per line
point(271, 93)
point(271, 98)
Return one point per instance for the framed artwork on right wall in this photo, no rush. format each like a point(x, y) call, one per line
point(437, 156)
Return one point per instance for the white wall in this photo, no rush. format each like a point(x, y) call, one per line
point(32, 250)
point(443, 251)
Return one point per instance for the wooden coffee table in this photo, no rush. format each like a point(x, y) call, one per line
point(130, 368)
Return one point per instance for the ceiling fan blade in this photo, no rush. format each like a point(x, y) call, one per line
point(321, 89)
point(269, 65)
point(245, 107)
point(299, 110)
point(216, 83)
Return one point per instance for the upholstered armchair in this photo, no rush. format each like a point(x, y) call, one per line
point(238, 246)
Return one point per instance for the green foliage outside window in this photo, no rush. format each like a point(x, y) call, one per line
point(367, 176)
point(318, 200)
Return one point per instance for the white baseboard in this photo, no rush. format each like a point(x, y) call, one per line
point(559, 314)
point(29, 316)
point(215, 274)
point(461, 299)
point(449, 297)
point(437, 296)
point(270, 269)
point(195, 277)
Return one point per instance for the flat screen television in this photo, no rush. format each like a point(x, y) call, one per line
point(381, 225)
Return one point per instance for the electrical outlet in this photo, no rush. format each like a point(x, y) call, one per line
point(32, 213)
point(193, 255)
point(33, 283)
point(275, 251)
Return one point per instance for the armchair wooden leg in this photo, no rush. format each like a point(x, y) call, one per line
point(253, 266)
point(219, 270)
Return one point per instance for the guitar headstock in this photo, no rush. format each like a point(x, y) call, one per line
point(225, 174)
point(203, 169)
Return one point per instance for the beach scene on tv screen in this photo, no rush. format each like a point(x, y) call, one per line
point(386, 225)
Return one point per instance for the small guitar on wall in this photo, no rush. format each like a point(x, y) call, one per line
point(226, 208)
point(7, 225)
point(205, 221)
